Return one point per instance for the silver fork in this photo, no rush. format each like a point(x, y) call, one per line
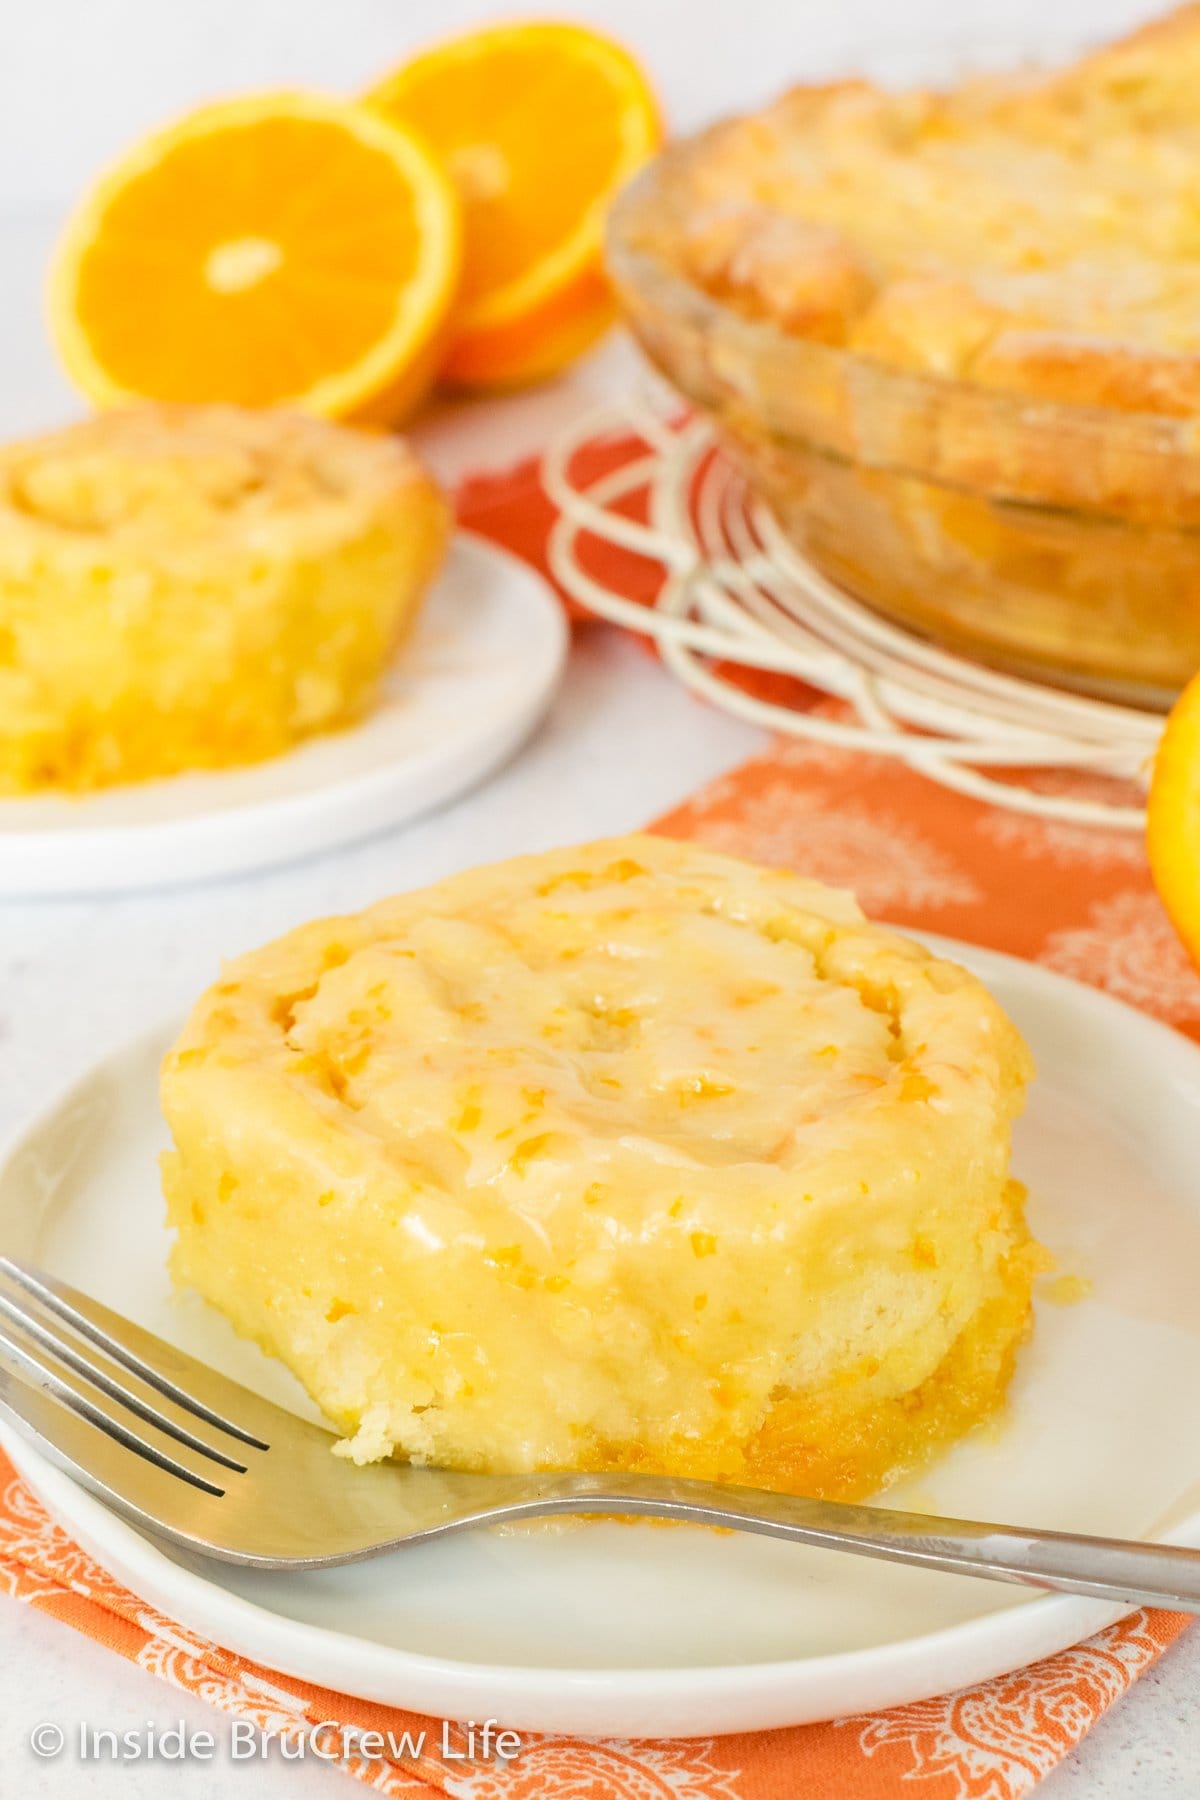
point(201, 1461)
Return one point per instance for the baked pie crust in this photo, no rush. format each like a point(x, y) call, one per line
point(954, 340)
point(1036, 234)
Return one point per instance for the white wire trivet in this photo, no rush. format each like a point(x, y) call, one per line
point(736, 591)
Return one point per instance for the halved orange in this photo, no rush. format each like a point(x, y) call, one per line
point(539, 124)
point(1173, 818)
point(280, 249)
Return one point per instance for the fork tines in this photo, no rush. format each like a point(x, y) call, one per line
point(112, 1374)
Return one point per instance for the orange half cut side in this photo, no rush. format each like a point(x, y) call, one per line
point(281, 249)
point(539, 125)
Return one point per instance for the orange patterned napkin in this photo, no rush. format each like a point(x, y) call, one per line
point(1076, 899)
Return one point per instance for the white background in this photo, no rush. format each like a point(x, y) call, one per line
point(78, 79)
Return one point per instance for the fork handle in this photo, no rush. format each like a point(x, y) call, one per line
point(1100, 1568)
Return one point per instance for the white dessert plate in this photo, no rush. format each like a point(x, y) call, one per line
point(636, 1629)
point(468, 686)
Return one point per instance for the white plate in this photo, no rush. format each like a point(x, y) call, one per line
point(471, 682)
point(632, 1629)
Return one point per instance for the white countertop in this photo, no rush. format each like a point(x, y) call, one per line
point(621, 744)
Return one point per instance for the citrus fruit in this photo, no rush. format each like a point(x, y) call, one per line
point(538, 124)
point(282, 248)
point(1173, 817)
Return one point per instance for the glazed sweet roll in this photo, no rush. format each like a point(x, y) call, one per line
point(628, 1155)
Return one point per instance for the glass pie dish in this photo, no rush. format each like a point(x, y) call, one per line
point(1054, 540)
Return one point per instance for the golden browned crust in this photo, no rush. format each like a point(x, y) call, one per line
point(1050, 367)
point(953, 339)
point(1037, 236)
